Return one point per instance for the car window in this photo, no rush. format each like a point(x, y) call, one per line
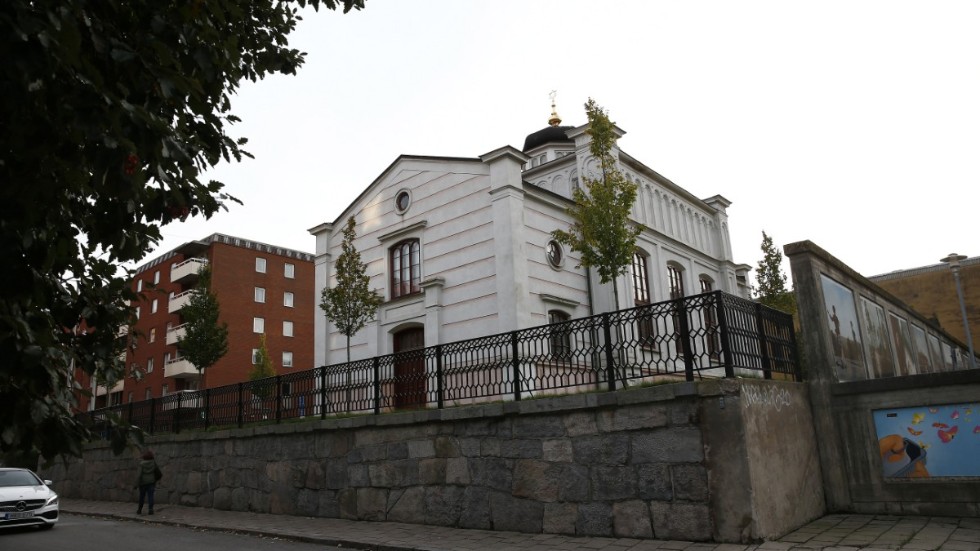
point(18, 478)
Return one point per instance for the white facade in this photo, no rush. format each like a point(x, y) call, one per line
point(483, 226)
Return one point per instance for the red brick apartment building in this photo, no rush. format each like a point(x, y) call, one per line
point(260, 288)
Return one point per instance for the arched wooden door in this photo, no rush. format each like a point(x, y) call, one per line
point(410, 377)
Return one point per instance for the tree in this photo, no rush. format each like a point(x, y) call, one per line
point(350, 303)
point(771, 280)
point(205, 339)
point(601, 230)
point(262, 369)
point(111, 113)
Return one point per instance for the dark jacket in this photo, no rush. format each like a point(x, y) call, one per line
point(145, 472)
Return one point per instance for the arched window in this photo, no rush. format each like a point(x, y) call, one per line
point(711, 335)
point(675, 278)
point(406, 268)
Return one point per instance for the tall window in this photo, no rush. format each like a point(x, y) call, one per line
point(406, 268)
point(258, 325)
point(149, 365)
point(287, 329)
point(290, 271)
point(287, 299)
point(287, 359)
point(153, 334)
point(156, 278)
point(641, 297)
point(137, 312)
point(139, 285)
point(559, 336)
point(675, 276)
point(260, 265)
point(148, 395)
point(153, 306)
point(255, 356)
point(260, 294)
point(710, 321)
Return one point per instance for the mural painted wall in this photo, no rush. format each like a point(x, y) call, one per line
point(929, 441)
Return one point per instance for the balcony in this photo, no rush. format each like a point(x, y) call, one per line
point(180, 368)
point(101, 390)
point(174, 334)
point(187, 271)
point(178, 301)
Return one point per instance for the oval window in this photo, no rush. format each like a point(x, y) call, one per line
point(402, 201)
point(555, 254)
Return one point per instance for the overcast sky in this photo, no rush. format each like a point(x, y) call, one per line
point(855, 124)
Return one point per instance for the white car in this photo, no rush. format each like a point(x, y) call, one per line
point(26, 500)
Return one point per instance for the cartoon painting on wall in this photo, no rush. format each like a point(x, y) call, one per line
point(876, 342)
point(903, 345)
point(845, 332)
point(929, 441)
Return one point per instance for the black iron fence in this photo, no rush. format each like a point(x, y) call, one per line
point(708, 335)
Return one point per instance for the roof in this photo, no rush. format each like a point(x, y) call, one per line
point(548, 134)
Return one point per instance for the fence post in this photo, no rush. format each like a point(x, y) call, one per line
point(763, 342)
point(515, 361)
point(440, 385)
point(153, 414)
point(323, 392)
point(241, 406)
point(377, 387)
point(278, 398)
point(207, 408)
point(726, 340)
point(685, 334)
point(610, 364)
point(176, 413)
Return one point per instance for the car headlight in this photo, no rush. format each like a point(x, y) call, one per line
point(53, 500)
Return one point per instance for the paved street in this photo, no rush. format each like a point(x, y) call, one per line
point(833, 532)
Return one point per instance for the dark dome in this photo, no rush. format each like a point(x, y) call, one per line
point(548, 134)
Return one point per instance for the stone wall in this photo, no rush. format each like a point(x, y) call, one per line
point(648, 462)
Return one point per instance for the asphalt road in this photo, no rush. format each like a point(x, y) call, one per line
point(81, 533)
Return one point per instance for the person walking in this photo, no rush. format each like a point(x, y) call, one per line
point(148, 474)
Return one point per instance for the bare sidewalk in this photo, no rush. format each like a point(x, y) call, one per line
point(832, 532)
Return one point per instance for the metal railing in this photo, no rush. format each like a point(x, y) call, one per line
point(709, 335)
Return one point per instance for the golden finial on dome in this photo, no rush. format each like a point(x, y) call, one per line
point(554, 120)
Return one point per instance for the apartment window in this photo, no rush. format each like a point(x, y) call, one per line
point(156, 278)
point(641, 297)
point(166, 358)
point(260, 265)
point(287, 359)
point(165, 390)
point(153, 334)
point(148, 395)
point(260, 294)
point(287, 299)
point(290, 271)
point(559, 336)
point(287, 329)
point(130, 397)
point(153, 306)
point(258, 325)
point(139, 285)
point(406, 268)
point(137, 312)
point(255, 356)
point(149, 365)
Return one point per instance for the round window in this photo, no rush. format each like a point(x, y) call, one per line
point(555, 254)
point(402, 201)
